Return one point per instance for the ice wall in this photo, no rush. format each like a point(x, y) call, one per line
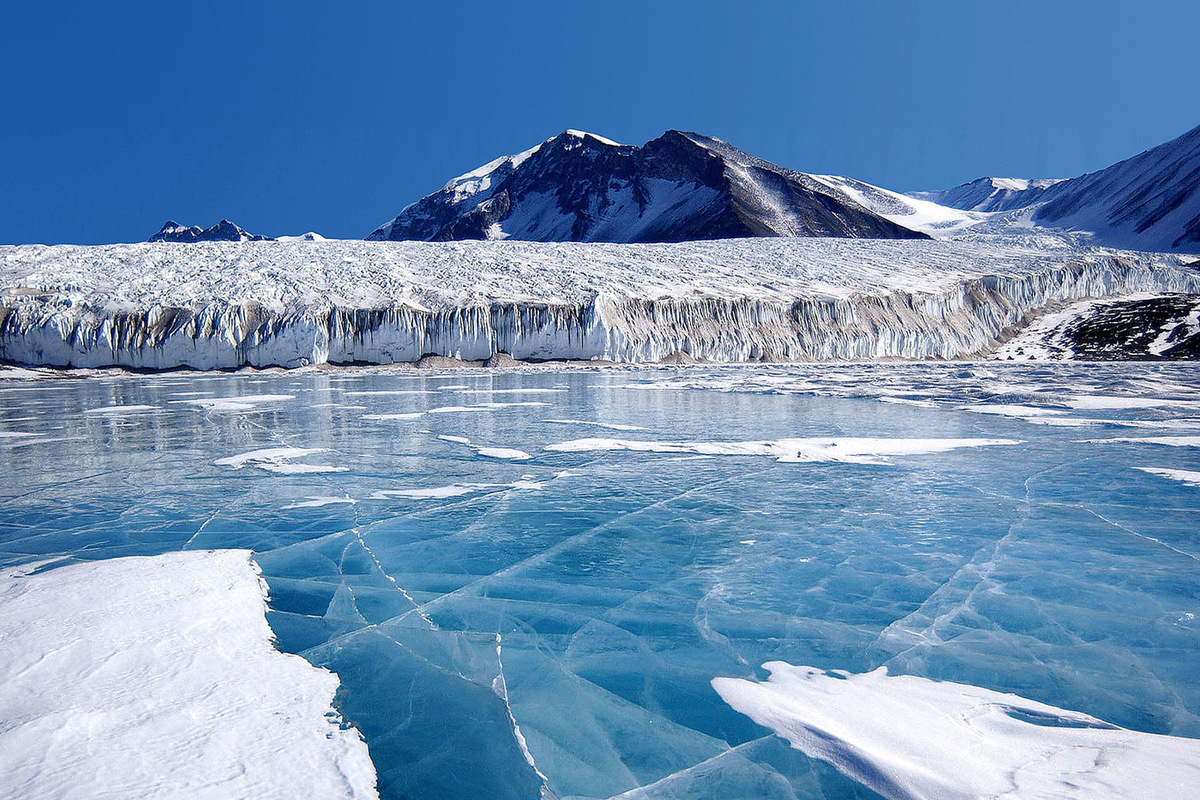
point(805, 315)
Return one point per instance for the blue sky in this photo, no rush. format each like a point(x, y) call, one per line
point(332, 116)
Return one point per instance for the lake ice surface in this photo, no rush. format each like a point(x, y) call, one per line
point(512, 613)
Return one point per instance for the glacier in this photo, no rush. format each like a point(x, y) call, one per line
point(999, 535)
point(292, 304)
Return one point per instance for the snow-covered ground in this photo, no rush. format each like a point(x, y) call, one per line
point(222, 305)
point(156, 677)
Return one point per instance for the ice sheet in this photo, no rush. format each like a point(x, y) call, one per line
point(156, 677)
point(621, 582)
point(906, 737)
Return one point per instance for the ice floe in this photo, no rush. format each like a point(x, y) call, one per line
point(907, 737)
point(317, 501)
point(156, 677)
point(279, 460)
point(1169, 441)
point(120, 411)
point(503, 453)
point(244, 403)
point(612, 426)
point(1190, 477)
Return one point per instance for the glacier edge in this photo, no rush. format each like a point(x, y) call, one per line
point(964, 313)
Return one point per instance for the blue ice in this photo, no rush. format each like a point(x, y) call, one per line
point(550, 626)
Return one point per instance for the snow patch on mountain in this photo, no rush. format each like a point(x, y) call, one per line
point(1148, 202)
point(990, 194)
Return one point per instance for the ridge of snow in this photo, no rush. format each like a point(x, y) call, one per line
point(597, 137)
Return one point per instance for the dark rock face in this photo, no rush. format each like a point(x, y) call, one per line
point(1155, 328)
point(679, 187)
point(223, 231)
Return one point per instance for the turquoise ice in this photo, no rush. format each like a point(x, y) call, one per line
point(527, 581)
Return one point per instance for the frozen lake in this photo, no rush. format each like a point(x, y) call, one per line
point(528, 581)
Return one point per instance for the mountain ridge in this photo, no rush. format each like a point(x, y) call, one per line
point(223, 231)
point(1150, 201)
point(682, 186)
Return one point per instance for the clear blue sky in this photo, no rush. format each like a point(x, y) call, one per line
point(332, 116)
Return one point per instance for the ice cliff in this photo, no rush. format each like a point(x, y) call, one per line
point(225, 305)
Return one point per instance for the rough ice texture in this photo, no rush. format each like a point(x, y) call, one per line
point(157, 678)
point(224, 305)
point(908, 737)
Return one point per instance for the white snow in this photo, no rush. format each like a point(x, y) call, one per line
point(278, 460)
point(612, 426)
point(1010, 410)
point(155, 677)
point(1169, 441)
point(849, 450)
point(1190, 477)
point(508, 453)
point(317, 501)
point(434, 493)
point(482, 407)
point(908, 737)
point(120, 411)
point(581, 134)
point(1104, 403)
point(244, 403)
point(457, 490)
point(311, 236)
point(913, 213)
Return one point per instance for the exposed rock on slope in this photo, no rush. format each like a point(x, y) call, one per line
point(679, 187)
point(223, 231)
point(1148, 202)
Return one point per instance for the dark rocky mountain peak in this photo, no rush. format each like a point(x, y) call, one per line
point(578, 186)
point(223, 231)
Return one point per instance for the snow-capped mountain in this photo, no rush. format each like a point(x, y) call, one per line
point(990, 194)
point(679, 187)
point(1148, 202)
point(223, 231)
point(311, 236)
